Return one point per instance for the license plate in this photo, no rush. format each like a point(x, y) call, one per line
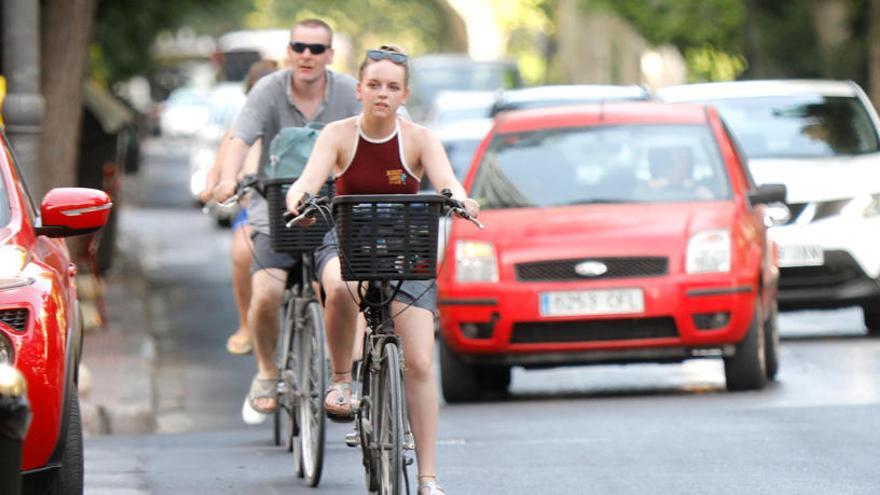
point(801, 255)
point(592, 302)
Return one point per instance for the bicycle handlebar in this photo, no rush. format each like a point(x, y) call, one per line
point(458, 208)
point(309, 207)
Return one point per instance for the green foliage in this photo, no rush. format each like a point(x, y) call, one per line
point(125, 30)
point(416, 25)
point(707, 32)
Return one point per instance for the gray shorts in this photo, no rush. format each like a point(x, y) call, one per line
point(266, 257)
point(419, 293)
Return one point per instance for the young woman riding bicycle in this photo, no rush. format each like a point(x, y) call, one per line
point(379, 153)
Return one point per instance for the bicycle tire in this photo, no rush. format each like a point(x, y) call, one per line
point(389, 423)
point(364, 418)
point(313, 380)
point(284, 364)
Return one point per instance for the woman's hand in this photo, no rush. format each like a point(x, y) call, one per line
point(295, 200)
point(472, 207)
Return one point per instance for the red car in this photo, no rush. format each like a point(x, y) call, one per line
point(40, 330)
point(615, 233)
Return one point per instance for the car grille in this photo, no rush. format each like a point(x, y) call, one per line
point(617, 268)
point(593, 330)
point(15, 318)
point(839, 268)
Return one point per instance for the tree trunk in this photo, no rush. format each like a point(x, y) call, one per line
point(874, 52)
point(66, 29)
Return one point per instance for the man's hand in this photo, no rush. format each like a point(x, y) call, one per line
point(224, 190)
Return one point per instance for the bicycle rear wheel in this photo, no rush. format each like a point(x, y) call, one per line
point(389, 423)
point(310, 404)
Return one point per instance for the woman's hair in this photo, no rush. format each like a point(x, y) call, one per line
point(386, 48)
point(258, 69)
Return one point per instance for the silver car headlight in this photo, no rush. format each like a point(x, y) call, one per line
point(864, 206)
point(475, 262)
point(708, 252)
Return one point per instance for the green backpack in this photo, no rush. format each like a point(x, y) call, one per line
point(290, 149)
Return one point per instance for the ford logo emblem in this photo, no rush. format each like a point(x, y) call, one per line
point(590, 269)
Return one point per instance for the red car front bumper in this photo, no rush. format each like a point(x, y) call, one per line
point(502, 323)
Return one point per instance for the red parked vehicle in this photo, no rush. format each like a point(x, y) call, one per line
point(615, 233)
point(40, 325)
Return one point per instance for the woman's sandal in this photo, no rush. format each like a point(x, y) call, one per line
point(340, 410)
point(431, 486)
point(239, 344)
point(263, 388)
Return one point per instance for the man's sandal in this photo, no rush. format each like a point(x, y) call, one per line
point(263, 388)
point(341, 409)
point(430, 487)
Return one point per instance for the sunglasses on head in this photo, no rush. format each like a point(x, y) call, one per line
point(315, 48)
point(396, 57)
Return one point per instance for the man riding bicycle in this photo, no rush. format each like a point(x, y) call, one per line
point(304, 92)
point(379, 153)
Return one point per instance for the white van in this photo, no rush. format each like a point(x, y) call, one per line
point(820, 139)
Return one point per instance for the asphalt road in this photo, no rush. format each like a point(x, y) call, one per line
point(603, 429)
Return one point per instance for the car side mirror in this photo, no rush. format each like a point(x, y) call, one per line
point(766, 194)
point(70, 211)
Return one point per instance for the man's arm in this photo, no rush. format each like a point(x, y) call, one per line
point(233, 158)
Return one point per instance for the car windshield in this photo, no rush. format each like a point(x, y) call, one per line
point(803, 126)
point(601, 164)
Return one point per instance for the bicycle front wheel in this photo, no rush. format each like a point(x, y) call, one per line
point(313, 379)
point(389, 423)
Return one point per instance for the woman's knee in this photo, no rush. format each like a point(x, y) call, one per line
point(419, 363)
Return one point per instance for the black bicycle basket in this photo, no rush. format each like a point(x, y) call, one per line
point(388, 236)
point(295, 239)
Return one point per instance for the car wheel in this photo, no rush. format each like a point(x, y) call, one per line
point(872, 319)
point(70, 478)
point(459, 381)
point(747, 369)
point(771, 343)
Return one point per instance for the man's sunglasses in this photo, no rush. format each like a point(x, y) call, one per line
point(315, 48)
point(396, 57)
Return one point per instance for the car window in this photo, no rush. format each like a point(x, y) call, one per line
point(802, 126)
point(601, 164)
point(4, 201)
point(4, 191)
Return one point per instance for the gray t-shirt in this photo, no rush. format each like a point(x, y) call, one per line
point(270, 107)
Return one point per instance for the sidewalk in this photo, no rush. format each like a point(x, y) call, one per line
point(116, 383)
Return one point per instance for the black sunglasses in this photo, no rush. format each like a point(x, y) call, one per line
point(315, 48)
point(396, 57)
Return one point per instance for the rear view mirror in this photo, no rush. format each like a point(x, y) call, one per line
point(766, 194)
point(69, 211)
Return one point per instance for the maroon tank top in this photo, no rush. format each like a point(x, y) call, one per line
point(377, 167)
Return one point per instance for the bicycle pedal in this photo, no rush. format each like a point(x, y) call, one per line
point(352, 439)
